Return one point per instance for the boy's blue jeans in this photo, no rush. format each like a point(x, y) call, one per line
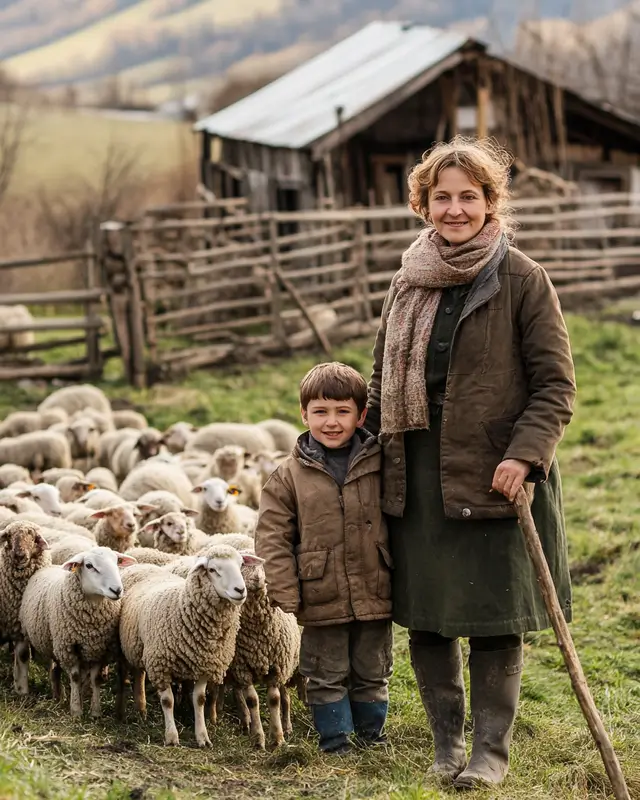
point(350, 662)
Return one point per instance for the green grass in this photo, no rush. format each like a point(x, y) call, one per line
point(44, 754)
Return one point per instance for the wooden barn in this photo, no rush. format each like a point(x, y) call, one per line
point(343, 128)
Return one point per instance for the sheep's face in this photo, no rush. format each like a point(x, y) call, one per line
point(176, 437)
point(172, 526)
point(223, 568)
point(253, 573)
point(123, 519)
point(22, 542)
point(97, 570)
point(228, 461)
point(217, 493)
point(85, 437)
point(72, 489)
point(46, 496)
point(148, 444)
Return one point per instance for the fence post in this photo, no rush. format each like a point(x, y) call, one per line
point(274, 284)
point(362, 273)
point(136, 327)
point(94, 355)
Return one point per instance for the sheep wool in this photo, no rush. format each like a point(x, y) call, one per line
point(154, 476)
point(77, 398)
point(39, 450)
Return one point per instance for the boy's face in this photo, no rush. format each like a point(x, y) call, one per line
point(332, 422)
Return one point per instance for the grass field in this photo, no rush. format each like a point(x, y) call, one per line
point(44, 754)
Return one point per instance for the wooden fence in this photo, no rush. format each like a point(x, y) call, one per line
point(214, 288)
point(19, 351)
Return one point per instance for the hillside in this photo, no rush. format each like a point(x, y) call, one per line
point(161, 48)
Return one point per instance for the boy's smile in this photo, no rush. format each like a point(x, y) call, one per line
point(332, 422)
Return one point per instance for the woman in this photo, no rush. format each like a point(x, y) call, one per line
point(471, 390)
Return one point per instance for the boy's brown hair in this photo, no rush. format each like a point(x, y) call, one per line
point(333, 381)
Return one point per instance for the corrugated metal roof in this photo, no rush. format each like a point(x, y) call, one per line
point(300, 107)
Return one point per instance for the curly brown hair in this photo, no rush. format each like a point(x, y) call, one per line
point(484, 161)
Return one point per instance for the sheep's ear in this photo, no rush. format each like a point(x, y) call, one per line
point(24, 493)
point(146, 507)
point(201, 561)
point(198, 489)
point(4, 536)
point(125, 560)
point(152, 526)
point(41, 542)
point(74, 563)
point(233, 490)
point(101, 513)
point(188, 512)
point(250, 559)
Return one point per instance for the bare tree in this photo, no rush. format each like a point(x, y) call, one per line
point(14, 118)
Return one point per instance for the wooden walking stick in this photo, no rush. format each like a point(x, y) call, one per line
point(567, 647)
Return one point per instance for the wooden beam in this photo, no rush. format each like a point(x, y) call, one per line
point(54, 298)
point(483, 100)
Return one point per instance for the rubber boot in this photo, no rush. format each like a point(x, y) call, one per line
point(334, 723)
point(438, 670)
point(368, 721)
point(495, 688)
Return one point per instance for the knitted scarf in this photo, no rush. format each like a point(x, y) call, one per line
point(429, 265)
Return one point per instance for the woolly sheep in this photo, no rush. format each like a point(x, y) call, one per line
point(24, 551)
point(284, 434)
point(267, 652)
point(151, 477)
point(178, 436)
point(149, 555)
point(36, 451)
point(172, 533)
point(10, 498)
point(200, 615)
point(103, 422)
point(6, 515)
point(78, 514)
point(70, 615)
point(18, 422)
point(100, 498)
point(226, 463)
point(219, 512)
point(72, 488)
point(103, 478)
point(117, 527)
point(55, 524)
point(10, 473)
point(217, 434)
point(134, 449)
point(128, 418)
point(249, 484)
point(16, 315)
point(109, 443)
point(53, 475)
point(45, 496)
point(194, 463)
point(77, 398)
point(67, 547)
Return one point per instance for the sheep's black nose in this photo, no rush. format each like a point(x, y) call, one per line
point(240, 590)
point(117, 591)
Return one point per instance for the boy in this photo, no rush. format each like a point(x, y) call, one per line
point(324, 541)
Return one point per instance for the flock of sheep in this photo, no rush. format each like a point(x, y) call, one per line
point(128, 548)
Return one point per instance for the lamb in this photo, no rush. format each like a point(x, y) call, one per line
point(150, 477)
point(172, 533)
point(217, 434)
point(77, 398)
point(36, 451)
point(103, 478)
point(128, 418)
point(10, 473)
point(134, 449)
point(70, 615)
point(54, 474)
point(201, 616)
point(19, 422)
point(219, 513)
point(117, 527)
point(267, 652)
point(178, 436)
point(16, 315)
point(284, 434)
point(24, 551)
point(72, 489)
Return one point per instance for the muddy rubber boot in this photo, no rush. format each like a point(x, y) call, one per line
point(368, 721)
point(334, 723)
point(438, 670)
point(495, 688)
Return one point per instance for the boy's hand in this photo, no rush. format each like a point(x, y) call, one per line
point(509, 477)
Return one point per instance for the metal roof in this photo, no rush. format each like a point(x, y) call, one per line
point(300, 107)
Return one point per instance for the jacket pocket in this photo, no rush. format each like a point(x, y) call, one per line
point(384, 572)
point(317, 574)
point(499, 432)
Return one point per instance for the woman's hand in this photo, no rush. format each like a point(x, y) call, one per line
point(509, 477)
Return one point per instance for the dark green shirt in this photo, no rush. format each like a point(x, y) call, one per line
point(439, 347)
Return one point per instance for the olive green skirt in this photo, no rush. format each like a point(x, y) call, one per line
point(470, 578)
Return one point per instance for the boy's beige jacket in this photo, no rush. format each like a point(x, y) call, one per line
point(325, 546)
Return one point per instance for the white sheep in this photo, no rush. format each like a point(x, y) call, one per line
point(128, 418)
point(10, 498)
point(226, 463)
point(154, 476)
point(103, 478)
point(196, 642)
point(149, 555)
point(18, 422)
point(117, 526)
point(24, 551)
point(36, 451)
point(10, 473)
point(133, 450)
point(109, 443)
point(70, 615)
point(72, 488)
point(103, 422)
point(76, 398)
point(83, 435)
point(67, 546)
point(284, 434)
point(16, 315)
point(219, 511)
point(172, 533)
point(47, 497)
point(54, 474)
point(177, 437)
point(100, 498)
point(217, 434)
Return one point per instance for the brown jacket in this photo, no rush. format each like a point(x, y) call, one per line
point(510, 390)
point(325, 546)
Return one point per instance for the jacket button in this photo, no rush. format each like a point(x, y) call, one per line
point(466, 512)
point(396, 460)
point(448, 310)
point(442, 347)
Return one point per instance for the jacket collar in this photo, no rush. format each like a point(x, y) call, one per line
point(308, 449)
point(487, 283)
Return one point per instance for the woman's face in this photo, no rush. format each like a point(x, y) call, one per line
point(457, 206)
